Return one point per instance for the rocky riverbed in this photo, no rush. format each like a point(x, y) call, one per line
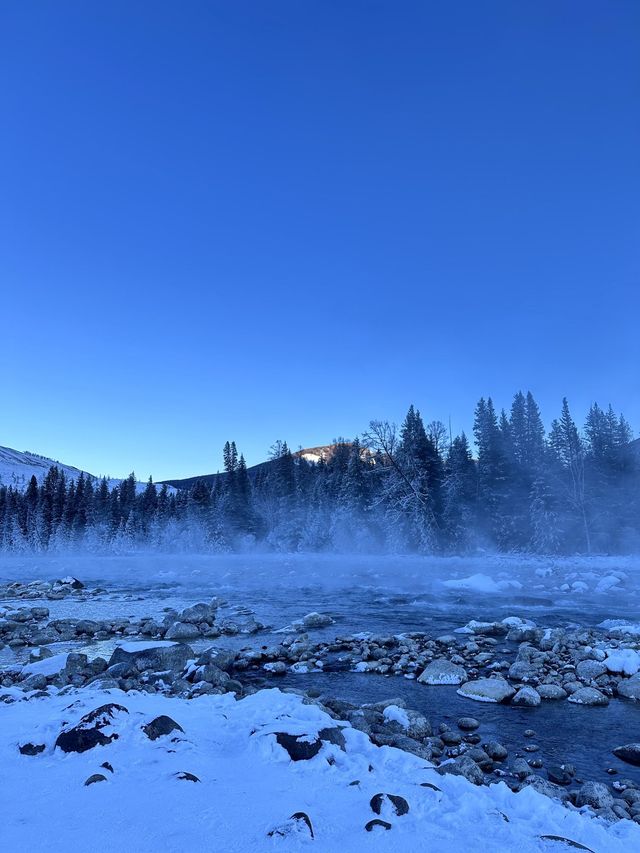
point(511, 662)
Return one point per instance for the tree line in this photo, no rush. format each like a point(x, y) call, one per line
point(414, 488)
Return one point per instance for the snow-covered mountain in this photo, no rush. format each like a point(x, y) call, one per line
point(18, 467)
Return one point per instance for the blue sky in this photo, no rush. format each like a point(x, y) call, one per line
point(257, 220)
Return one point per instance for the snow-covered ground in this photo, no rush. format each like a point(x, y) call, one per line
point(248, 787)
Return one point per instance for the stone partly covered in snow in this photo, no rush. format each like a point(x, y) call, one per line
point(298, 825)
point(94, 729)
point(304, 747)
point(153, 656)
point(317, 620)
point(442, 671)
point(588, 696)
point(630, 753)
point(487, 690)
point(380, 803)
point(160, 726)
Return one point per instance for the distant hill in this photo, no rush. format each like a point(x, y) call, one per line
point(314, 455)
point(18, 467)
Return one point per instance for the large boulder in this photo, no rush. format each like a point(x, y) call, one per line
point(94, 729)
point(594, 794)
point(442, 671)
point(630, 753)
point(588, 696)
point(158, 656)
point(630, 687)
point(183, 631)
point(487, 690)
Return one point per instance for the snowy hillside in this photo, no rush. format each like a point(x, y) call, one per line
point(17, 467)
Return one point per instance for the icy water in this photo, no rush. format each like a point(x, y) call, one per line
point(382, 596)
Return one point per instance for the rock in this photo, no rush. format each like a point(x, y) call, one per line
point(157, 657)
point(317, 620)
point(299, 824)
point(31, 748)
point(212, 674)
point(527, 697)
point(39, 654)
point(588, 670)
point(419, 725)
point(376, 822)
point(487, 690)
point(594, 794)
point(588, 696)
point(468, 724)
point(89, 731)
point(630, 687)
point(496, 751)
point(186, 777)
point(197, 614)
point(630, 753)
point(463, 766)
point(558, 775)
point(397, 804)
point(551, 691)
point(97, 777)
point(442, 671)
point(451, 738)
point(543, 786)
point(182, 631)
point(160, 726)
point(299, 750)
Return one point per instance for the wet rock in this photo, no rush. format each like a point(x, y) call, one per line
point(588, 696)
point(558, 775)
point(89, 731)
point(495, 750)
point(442, 671)
point(468, 724)
point(630, 753)
point(487, 690)
point(160, 726)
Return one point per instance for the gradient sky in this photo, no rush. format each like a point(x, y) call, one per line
point(255, 220)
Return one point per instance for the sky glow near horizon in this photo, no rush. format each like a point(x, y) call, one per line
point(249, 221)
